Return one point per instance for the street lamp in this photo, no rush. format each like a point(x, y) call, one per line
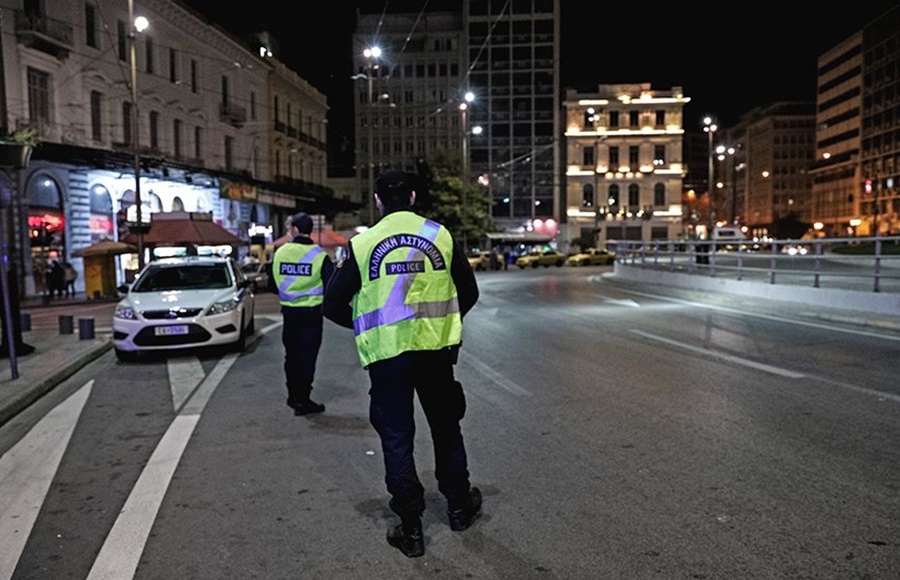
point(710, 127)
point(731, 152)
point(138, 24)
point(372, 54)
point(464, 110)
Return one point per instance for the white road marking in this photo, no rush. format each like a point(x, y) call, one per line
point(828, 327)
point(184, 376)
point(724, 356)
point(27, 470)
point(620, 302)
point(121, 552)
point(493, 375)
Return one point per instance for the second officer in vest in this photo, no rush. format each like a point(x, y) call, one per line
point(300, 271)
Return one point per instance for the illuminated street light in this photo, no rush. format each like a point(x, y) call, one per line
point(468, 98)
point(710, 127)
point(139, 24)
point(372, 54)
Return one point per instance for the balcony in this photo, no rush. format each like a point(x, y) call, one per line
point(234, 115)
point(47, 35)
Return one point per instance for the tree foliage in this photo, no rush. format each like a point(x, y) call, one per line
point(463, 209)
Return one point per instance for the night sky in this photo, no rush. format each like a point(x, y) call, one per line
point(728, 62)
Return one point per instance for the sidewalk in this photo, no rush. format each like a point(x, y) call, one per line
point(56, 357)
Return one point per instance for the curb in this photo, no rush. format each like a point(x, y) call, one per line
point(48, 383)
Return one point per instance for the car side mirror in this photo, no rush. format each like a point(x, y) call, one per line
point(123, 288)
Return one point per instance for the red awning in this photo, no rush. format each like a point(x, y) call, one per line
point(329, 238)
point(185, 229)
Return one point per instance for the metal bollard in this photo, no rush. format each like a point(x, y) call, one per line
point(66, 324)
point(26, 321)
point(86, 328)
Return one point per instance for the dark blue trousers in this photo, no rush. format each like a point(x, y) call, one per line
point(428, 375)
point(301, 335)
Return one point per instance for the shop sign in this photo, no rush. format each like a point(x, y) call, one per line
point(237, 191)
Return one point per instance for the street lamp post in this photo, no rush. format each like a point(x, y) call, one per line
point(464, 110)
point(709, 126)
point(137, 25)
point(372, 54)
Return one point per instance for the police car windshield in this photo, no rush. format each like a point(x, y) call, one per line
point(183, 277)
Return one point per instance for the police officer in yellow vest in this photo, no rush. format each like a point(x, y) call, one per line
point(300, 271)
point(404, 289)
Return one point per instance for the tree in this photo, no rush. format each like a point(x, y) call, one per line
point(789, 227)
point(464, 209)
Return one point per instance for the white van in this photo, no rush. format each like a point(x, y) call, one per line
point(728, 234)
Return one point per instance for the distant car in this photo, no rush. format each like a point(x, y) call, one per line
point(794, 249)
point(480, 260)
point(545, 258)
point(184, 302)
point(258, 273)
point(591, 257)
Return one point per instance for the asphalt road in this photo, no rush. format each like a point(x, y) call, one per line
point(614, 431)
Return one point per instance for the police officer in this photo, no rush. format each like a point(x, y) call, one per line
point(410, 285)
point(300, 271)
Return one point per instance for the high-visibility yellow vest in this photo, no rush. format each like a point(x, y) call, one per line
point(297, 270)
point(407, 300)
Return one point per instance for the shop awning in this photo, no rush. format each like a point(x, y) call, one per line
point(184, 229)
point(329, 238)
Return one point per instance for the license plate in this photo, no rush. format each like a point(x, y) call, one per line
point(170, 330)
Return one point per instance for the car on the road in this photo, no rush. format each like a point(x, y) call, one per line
point(184, 302)
point(546, 258)
point(591, 257)
point(258, 273)
point(480, 260)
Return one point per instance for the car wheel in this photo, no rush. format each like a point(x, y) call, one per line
point(559, 263)
point(126, 355)
point(241, 343)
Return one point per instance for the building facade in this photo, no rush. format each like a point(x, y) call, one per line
point(836, 180)
point(407, 97)
point(513, 56)
point(768, 177)
point(880, 150)
point(206, 137)
point(624, 165)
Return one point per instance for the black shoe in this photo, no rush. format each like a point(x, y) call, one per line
point(408, 539)
point(463, 517)
point(308, 408)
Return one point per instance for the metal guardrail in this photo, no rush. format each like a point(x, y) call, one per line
point(843, 263)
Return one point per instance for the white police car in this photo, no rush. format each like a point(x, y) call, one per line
point(185, 302)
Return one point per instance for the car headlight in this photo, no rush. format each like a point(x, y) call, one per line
point(124, 312)
point(223, 306)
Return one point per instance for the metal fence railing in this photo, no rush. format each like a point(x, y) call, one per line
point(871, 264)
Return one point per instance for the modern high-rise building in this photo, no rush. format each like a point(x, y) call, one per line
point(836, 184)
point(410, 82)
point(513, 56)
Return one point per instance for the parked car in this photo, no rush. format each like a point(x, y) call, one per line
point(545, 258)
point(480, 260)
point(184, 302)
point(591, 257)
point(258, 273)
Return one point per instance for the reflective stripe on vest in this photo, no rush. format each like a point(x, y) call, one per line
point(301, 282)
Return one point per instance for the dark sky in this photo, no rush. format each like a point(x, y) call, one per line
point(728, 61)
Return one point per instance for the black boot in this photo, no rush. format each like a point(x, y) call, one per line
point(408, 538)
point(464, 515)
point(308, 407)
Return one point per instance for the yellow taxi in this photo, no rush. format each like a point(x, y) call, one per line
point(591, 257)
point(480, 260)
point(546, 258)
